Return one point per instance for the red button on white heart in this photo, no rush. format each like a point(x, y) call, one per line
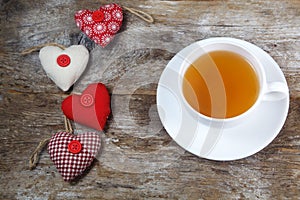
point(63, 60)
point(64, 67)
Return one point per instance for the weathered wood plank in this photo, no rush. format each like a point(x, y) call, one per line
point(139, 160)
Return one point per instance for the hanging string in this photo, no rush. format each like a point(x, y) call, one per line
point(68, 125)
point(145, 16)
point(35, 156)
point(36, 48)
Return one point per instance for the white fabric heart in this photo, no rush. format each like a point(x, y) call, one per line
point(64, 67)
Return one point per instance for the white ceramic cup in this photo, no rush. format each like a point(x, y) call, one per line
point(268, 91)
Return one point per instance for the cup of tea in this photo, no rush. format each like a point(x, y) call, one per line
point(224, 82)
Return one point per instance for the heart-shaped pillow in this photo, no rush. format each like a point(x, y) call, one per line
point(91, 108)
point(64, 67)
point(72, 154)
point(100, 25)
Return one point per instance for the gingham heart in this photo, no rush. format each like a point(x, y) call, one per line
point(91, 108)
point(64, 67)
point(72, 154)
point(100, 25)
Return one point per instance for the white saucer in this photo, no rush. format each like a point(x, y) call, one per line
point(243, 140)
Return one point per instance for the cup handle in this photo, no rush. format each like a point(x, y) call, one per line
point(276, 91)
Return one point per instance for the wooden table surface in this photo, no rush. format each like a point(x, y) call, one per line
point(139, 160)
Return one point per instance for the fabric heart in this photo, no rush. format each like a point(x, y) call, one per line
point(72, 154)
point(91, 108)
point(64, 67)
point(100, 25)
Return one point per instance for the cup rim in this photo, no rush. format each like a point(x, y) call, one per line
point(219, 41)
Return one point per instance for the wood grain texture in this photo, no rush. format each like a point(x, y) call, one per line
point(139, 160)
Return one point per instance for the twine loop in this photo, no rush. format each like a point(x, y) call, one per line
point(35, 156)
point(37, 48)
point(143, 15)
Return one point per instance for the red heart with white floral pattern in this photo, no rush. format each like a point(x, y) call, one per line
point(72, 154)
point(100, 25)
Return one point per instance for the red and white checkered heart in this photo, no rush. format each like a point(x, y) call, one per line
point(72, 154)
point(64, 67)
point(100, 25)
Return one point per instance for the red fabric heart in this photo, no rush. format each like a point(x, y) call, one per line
point(100, 25)
point(91, 108)
point(72, 154)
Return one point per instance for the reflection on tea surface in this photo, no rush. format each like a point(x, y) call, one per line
point(221, 84)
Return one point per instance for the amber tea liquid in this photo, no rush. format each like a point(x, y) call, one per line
point(221, 84)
